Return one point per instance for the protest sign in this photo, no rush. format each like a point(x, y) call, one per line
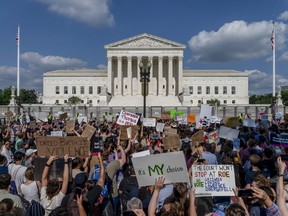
point(171, 166)
point(170, 130)
point(109, 118)
point(9, 114)
point(205, 111)
point(160, 127)
point(41, 116)
point(60, 146)
point(279, 140)
point(171, 141)
point(212, 137)
point(233, 122)
point(197, 137)
point(141, 154)
point(81, 119)
point(63, 116)
point(70, 126)
point(192, 118)
point(149, 122)
point(182, 120)
point(57, 133)
point(213, 180)
point(228, 133)
point(165, 115)
point(127, 118)
point(129, 132)
point(249, 123)
point(215, 120)
point(124, 135)
point(88, 131)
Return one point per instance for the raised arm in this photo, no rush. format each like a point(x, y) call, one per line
point(123, 156)
point(65, 175)
point(46, 170)
point(280, 187)
point(101, 181)
point(159, 183)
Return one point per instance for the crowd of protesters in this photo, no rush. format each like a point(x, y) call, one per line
point(258, 169)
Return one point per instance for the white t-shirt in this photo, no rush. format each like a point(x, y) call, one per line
point(50, 205)
point(19, 175)
point(30, 191)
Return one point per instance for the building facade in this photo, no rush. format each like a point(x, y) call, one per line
point(170, 84)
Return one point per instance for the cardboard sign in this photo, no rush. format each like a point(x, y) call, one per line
point(57, 133)
point(197, 137)
point(171, 166)
point(191, 118)
point(59, 146)
point(149, 122)
point(9, 114)
point(170, 130)
point(233, 122)
point(127, 118)
point(88, 131)
point(70, 125)
point(280, 140)
point(63, 116)
point(160, 127)
point(228, 133)
point(124, 135)
point(249, 123)
point(213, 180)
point(171, 141)
point(165, 115)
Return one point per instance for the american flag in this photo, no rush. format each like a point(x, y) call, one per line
point(272, 40)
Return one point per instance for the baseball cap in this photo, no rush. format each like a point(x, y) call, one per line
point(30, 151)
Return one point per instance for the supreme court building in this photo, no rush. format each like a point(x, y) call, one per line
point(170, 84)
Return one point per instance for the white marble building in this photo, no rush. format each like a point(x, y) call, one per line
point(170, 84)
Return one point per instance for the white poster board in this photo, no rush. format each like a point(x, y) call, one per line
point(82, 119)
point(149, 122)
point(141, 154)
point(228, 133)
point(127, 118)
point(182, 120)
point(160, 127)
point(171, 166)
point(213, 180)
point(57, 133)
point(205, 111)
point(41, 116)
point(249, 122)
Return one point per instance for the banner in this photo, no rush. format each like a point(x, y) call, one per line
point(88, 131)
point(213, 180)
point(127, 118)
point(228, 133)
point(192, 118)
point(249, 123)
point(149, 122)
point(280, 140)
point(160, 127)
point(171, 141)
point(171, 166)
point(60, 146)
point(233, 122)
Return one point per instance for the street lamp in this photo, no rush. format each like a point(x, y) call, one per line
point(145, 78)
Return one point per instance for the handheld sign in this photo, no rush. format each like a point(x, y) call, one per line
point(88, 131)
point(149, 122)
point(63, 116)
point(228, 133)
point(57, 133)
point(171, 141)
point(197, 137)
point(124, 135)
point(170, 165)
point(213, 180)
point(249, 123)
point(60, 146)
point(192, 118)
point(233, 122)
point(160, 127)
point(127, 118)
point(279, 140)
point(70, 125)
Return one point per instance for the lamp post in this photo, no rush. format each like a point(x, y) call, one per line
point(145, 78)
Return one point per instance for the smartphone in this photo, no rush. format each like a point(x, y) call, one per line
point(77, 192)
point(245, 193)
point(201, 161)
point(284, 157)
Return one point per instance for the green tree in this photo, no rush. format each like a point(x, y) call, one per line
point(28, 96)
point(74, 100)
point(213, 102)
point(5, 96)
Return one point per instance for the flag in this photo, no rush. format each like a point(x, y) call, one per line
point(272, 40)
point(17, 39)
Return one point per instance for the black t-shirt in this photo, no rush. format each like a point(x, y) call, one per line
point(127, 185)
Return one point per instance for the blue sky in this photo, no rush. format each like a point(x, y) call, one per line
point(71, 34)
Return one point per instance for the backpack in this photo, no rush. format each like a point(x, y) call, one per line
point(107, 183)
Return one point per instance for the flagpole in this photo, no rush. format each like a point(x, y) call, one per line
point(274, 48)
point(18, 61)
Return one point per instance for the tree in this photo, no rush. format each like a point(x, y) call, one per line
point(5, 96)
point(28, 96)
point(213, 102)
point(74, 100)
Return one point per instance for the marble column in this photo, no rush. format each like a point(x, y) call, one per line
point(180, 74)
point(129, 75)
point(170, 75)
point(139, 89)
point(160, 74)
point(150, 90)
point(119, 74)
point(109, 73)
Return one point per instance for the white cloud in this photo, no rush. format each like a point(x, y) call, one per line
point(102, 67)
point(236, 40)
point(47, 63)
point(283, 16)
point(261, 82)
point(92, 12)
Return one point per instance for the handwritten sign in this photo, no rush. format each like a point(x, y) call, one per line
point(171, 141)
point(197, 137)
point(191, 118)
point(88, 131)
point(170, 130)
point(59, 146)
point(228, 133)
point(57, 133)
point(249, 123)
point(160, 127)
point(205, 111)
point(124, 135)
point(70, 125)
point(170, 165)
point(149, 122)
point(127, 118)
point(182, 119)
point(213, 180)
point(63, 116)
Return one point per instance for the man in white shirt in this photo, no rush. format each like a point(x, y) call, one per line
point(6, 151)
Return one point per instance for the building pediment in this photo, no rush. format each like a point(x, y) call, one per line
point(145, 41)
